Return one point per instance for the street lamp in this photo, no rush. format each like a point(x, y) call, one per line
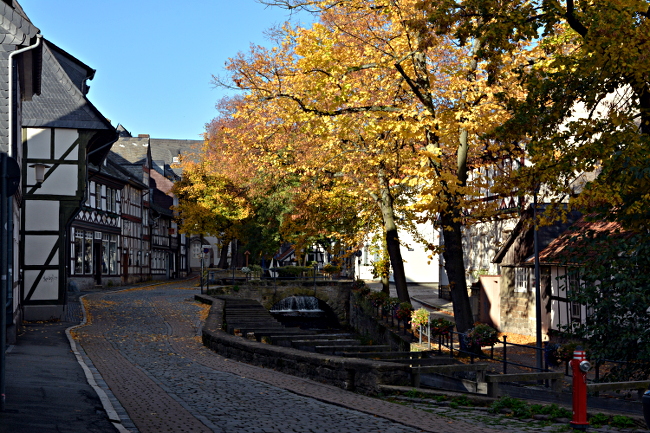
point(39, 172)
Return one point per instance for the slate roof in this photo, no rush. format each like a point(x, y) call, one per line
point(132, 150)
point(164, 152)
point(15, 30)
point(63, 103)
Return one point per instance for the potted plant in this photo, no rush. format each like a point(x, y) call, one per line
point(420, 317)
point(390, 306)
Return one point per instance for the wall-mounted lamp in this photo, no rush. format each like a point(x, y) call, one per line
point(39, 172)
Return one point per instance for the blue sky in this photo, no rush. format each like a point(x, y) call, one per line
point(155, 58)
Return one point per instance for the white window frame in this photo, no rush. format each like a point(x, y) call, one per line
point(521, 280)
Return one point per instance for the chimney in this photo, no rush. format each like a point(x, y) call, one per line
point(143, 136)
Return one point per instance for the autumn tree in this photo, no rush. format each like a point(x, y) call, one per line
point(358, 144)
point(413, 86)
point(588, 103)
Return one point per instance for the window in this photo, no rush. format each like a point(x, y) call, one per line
point(521, 280)
point(112, 255)
point(573, 286)
point(91, 195)
point(78, 252)
point(82, 252)
point(88, 253)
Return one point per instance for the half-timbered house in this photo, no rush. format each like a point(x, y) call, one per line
point(516, 281)
point(62, 133)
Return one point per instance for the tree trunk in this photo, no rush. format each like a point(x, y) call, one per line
point(455, 268)
point(392, 238)
point(385, 284)
point(223, 256)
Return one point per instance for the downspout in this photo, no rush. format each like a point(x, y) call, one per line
point(11, 89)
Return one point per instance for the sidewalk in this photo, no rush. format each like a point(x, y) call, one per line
point(53, 387)
point(47, 390)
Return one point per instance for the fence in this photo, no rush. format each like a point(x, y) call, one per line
point(456, 344)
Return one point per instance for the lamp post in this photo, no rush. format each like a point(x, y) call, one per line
point(538, 292)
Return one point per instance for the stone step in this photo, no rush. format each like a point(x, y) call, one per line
point(276, 338)
point(252, 327)
point(256, 330)
point(351, 349)
point(389, 355)
point(300, 344)
point(420, 362)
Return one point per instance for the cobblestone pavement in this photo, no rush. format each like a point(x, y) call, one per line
point(145, 344)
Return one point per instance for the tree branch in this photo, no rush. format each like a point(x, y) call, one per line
point(573, 21)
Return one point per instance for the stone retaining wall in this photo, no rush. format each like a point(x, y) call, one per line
point(361, 375)
point(368, 326)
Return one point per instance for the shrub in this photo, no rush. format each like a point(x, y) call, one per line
point(565, 351)
point(330, 269)
point(291, 271)
point(519, 408)
point(621, 421)
point(598, 420)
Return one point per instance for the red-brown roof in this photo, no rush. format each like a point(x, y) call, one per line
point(563, 248)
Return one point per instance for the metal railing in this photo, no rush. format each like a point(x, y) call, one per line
point(457, 343)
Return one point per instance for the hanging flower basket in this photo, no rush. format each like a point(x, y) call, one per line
point(404, 311)
point(441, 326)
point(482, 335)
point(361, 288)
point(377, 299)
point(390, 306)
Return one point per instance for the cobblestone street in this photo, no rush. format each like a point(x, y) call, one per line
point(145, 345)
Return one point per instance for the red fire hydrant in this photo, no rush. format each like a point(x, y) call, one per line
point(580, 366)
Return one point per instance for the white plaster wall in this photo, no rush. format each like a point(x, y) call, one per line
point(62, 180)
point(38, 143)
point(63, 139)
point(48, 288)
point(38, 248)
point(418, 266)
point(41, 215)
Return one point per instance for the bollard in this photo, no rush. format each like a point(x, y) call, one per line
point(646, 407)
point(580, 367)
